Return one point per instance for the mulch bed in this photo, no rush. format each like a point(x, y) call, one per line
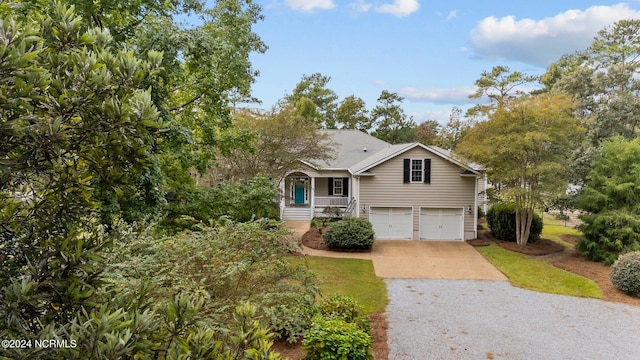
point(313, 239)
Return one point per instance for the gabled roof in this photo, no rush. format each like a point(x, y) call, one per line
point(350, 148)
point(396, 150)
point(358, 152)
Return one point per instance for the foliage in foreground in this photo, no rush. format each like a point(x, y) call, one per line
point(195, 208)
point(352, 233)
point(501, 219)
point(339, 331)
point(625, 273)
point(611, 224)
point(230, 265)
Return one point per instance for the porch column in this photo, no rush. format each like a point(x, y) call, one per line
point(282, 196)
point(475, 212)
point(312, 196)
point(355, 189)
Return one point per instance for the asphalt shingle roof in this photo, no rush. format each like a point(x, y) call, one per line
point(357, 151)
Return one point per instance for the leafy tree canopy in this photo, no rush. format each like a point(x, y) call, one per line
point(314, 87)
point(391, 123)
point(525, 147)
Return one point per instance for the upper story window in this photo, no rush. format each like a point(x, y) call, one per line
point(416, 170)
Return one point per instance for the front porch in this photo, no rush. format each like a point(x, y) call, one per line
point(305, 197)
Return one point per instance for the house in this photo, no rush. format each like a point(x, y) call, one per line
point(407, 191)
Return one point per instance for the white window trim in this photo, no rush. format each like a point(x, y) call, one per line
point(335, 182)
point(411, 170)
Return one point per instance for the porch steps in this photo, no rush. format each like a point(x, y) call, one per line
point(296, 214)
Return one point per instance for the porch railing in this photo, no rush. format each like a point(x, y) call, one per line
point(331, 201)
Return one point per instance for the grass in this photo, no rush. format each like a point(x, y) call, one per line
point(538, 275)
point(553, 229)
point(351, 277)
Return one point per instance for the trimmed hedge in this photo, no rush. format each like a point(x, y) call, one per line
point(625, 273)
point(350, 233)
point(501, 219)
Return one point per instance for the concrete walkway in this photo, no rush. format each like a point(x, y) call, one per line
point(404, 259)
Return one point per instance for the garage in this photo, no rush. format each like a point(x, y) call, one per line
point(392, 223)
point(441, 224)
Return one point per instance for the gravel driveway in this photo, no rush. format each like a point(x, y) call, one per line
point(475, 319)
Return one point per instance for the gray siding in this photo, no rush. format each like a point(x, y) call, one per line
point(447, 189)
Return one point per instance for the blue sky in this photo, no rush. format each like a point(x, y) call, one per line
point(429, 52)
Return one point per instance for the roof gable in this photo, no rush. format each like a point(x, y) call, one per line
point(396, 150)
point(358, 152)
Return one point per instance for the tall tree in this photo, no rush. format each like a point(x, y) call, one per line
point(314, 87)
point(499, 85)
point(525, 146)
point(604, 81)
point(457, 127)
point(282, 137)
point(76, 119)
point(391, 123)
point(427, 132)
point(610, 200)
point(353, 114)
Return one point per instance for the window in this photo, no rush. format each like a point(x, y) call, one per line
point(416, 170)
point(337, 186)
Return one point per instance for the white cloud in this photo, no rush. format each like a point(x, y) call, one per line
point(541, 42)
point(452, 14)
point(400, 8)
point(438, 96)
point(361, 6)
point(310, 5)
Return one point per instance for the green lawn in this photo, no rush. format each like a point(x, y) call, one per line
point(352, 277)
point(538, 275)
point(553, 229)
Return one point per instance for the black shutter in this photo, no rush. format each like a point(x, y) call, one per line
point(427, 171)
point(330, 186)
point(407, 171)
point(345, 186)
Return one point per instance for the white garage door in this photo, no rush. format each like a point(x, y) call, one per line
point(392, 223)
point(441, 224)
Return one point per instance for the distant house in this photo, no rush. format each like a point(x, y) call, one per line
point(407, 191)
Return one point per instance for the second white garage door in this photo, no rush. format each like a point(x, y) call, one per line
point(441, 224)
point(392, 223)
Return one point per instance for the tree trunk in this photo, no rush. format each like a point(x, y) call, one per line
point(524, 219)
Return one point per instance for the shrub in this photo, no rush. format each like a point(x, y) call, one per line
point(336, 339)
point(344, 308)
point(625, 273)
point(609, 234)
point(501, 219)
point(350, 233)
